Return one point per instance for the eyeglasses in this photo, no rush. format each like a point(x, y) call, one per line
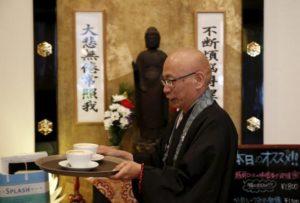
point(170, 82)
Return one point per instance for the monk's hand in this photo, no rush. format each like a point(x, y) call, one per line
point(127, 170)
point(111, 151)
point(106, 150)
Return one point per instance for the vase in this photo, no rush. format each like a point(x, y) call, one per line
point(115, 136)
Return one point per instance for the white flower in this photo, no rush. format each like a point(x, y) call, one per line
point(107, 123)
point(117, 116)
point(117, 97)
point(114, 116)
point(114, 106)
point(124, 122)
point(124, 111)
point(107, 114)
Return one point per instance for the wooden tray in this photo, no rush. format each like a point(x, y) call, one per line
point(105, 168)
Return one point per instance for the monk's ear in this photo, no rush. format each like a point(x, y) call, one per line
point(199, 80)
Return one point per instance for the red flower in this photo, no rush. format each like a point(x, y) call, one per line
point(127, 103)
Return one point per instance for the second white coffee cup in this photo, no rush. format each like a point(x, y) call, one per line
point(79, 158)
point(86, 146)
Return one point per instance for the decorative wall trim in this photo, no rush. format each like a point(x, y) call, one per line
point(252, 71)
point(45, 74)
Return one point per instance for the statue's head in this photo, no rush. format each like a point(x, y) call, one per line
point(152, 38)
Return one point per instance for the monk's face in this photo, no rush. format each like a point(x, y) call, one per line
point(185, 74)
point(181, 92)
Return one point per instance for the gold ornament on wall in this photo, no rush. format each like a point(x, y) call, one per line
point(44, 49)
point(45, 127)
point(253, 49)
point(253, 124)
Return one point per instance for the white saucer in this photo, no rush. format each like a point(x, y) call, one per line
point(65, 164)
point(97, 157)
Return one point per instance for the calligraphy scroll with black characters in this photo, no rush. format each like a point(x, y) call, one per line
point(210, 40)
point(90, 73)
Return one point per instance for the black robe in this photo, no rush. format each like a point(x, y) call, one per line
point(204, 168)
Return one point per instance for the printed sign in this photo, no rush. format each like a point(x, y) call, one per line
point(267, 174)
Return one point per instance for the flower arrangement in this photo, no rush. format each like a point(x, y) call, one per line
point(119, 117)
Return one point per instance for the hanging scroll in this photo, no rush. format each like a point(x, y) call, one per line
point(210, 41)
point(90, 69)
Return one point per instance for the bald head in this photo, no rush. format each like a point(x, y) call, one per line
point(188, 60)
point(188, 72)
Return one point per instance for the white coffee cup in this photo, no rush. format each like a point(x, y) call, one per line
point(79, 158)
point(86, 146)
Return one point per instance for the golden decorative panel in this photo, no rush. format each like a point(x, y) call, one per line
point(126, 22)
